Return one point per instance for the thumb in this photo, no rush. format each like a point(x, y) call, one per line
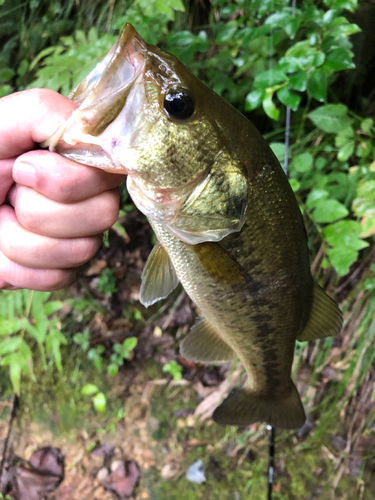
point(31, 117)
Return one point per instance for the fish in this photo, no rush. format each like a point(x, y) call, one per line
point(227, 223)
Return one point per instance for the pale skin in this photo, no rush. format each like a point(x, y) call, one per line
point(53, 211)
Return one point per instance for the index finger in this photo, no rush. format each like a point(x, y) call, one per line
point(30, 117)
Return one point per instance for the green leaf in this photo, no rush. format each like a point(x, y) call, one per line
point(331, 118)
point(345, 234)
point(225, 32)
point(253, 100)
point(367, 125)
point(35, 333)
point(350, 5)
point(368, 223)
point(89, 389)
point(289, 23)
point(177, 5)
point(99, 401)
point(364, 149)
point(315, 196)
point(6, 74)
point(329, 211)
point(317, 84)
point(278, 149)
point(270, 108)
point(10, 345)
point(346, 151)
point(15, 373)
point(295, 185)
point(339, 59)
point(342, 258)
point(130, 343)
point(299, 81)
point(13, 325)
point(270, 78)
point(112, 369)
point(303, 163)
point(53, 306)
point(55, 347)
point(289, 98)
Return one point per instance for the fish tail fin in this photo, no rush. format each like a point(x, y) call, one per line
point(243, 407)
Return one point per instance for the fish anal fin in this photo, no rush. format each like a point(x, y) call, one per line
point(325, 318)
point(159, 277)
point(243, 407)
point(204, 345)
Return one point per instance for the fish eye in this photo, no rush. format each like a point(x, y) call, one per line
point(179, 105)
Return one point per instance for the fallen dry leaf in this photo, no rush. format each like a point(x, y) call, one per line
point(123, 478)
point(34, 479)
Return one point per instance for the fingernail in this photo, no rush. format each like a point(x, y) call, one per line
point(24, 173)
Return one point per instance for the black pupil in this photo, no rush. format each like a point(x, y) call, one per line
point(179, 105)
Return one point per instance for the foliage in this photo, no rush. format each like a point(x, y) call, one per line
point(338, 197)
point(98, 398)
point(107, 282)
point(27, 320)
point(174, 369)
point(121, 352)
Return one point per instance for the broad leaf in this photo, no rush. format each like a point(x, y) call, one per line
point(329, 211)
point(331, 118)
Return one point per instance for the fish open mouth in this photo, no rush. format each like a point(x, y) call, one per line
point(89, 136)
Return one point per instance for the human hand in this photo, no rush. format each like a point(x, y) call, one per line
point(52, 210)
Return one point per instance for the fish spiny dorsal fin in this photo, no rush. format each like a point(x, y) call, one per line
point(159, 277)
point(204, 345)
point(325, 317)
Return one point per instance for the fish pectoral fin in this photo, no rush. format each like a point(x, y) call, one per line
point(325, 317)
point(159, 277)
point(218, 264)
point(243, 407)
point(204, 345)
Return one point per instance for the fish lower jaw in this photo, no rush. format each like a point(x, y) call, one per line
point(153, 204)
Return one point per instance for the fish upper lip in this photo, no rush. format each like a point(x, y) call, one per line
point(102, 91)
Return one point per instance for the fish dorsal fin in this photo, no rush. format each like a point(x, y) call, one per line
point(159, 277)
point(325, 317)
point(204, 345)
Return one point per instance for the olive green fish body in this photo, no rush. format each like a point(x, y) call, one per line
point(227, 222)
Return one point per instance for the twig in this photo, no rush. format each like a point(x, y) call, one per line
point(12, 416)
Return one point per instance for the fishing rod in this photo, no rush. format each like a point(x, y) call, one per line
point(271, 460)
point(272, 431)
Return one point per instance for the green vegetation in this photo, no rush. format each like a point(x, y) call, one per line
point(261, 58)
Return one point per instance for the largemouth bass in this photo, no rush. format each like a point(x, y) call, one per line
point(227, 222)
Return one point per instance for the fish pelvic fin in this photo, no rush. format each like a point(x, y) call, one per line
point(159, 277)
point(325, 318)
point(204, 345)
point(244, 407)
